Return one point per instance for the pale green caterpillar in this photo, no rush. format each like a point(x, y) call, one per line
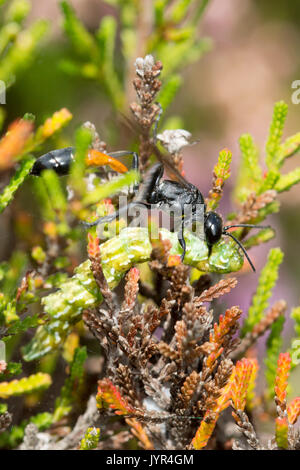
point(132, 246)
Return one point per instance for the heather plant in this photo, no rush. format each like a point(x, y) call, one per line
point(152, 356)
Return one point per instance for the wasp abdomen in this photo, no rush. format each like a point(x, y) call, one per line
point(57, 160)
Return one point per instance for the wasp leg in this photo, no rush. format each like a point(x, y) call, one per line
point(195, 224)
point(96, 158)
point(115, 215)
point(181, 239)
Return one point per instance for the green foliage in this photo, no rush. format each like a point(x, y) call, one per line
point(179, 10)
point(295, 343)
point(118, 255)
point(38, 254)
point(71, 388)
point(274, 343)
point(275, 134)
point(91, 439)
point(12, 369)
point(182, 46)
point(82, 41)
point(222, 168)
point(22, 325)
point(263, 236)
point(285, 182)
point(10, 274)
point(172, 37)
point(42, 198)
point(98, 50)
point(169, 91)
point(106, 37)
point(17, 11)
point(269, 181)
point(25, 385)
point(295, 315)
point(42, 420)
point(64, 309)
point(13, 437)
point(16, 181)
point(8, 311)
point(57, 242)
point(266, 283)
point(251, 178)
point(55, 193)
point(110, 188)
point(14, 301)
point(221, 174)
point(46, 130)
point(3, 408)
point(289, 148)
point(18, 47)
point(53, 124)
point(250, 162)
point(11, 271)
point(281, 434)
point(83, 142)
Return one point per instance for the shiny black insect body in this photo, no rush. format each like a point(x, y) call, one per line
point(58, 160)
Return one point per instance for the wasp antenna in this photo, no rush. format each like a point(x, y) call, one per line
point(246, 225)
point(242, 247)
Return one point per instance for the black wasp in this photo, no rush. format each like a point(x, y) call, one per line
point(155, 191)
point(60, 161)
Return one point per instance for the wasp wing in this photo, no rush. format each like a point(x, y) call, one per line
point(163, 158)
point(171, 169)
